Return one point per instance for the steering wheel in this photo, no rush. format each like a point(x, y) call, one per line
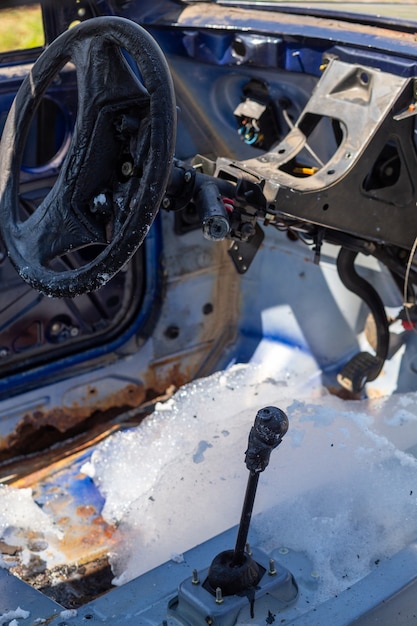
point(114, 175)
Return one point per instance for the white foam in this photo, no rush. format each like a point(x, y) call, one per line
point(23, 523)
point(68, 613)
point(11, 617)
point(340, 489)
point(19, 512)
point(337, 489)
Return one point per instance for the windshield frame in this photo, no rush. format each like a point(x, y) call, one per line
point(389, 13)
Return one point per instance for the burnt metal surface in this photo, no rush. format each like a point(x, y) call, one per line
point(234, 18)
point(340, 191)
point(73, 503)
point(42, 427)
point(191, 335)
point(198, 318)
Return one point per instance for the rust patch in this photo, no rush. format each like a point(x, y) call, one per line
point(93, 410)
point(70, 567)
point(85, 542)
point(177, 375)
point(9, 550)
point(86, 510)
point(209, 15)
point(39, 429)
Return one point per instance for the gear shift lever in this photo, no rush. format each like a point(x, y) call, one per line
point(234, 571)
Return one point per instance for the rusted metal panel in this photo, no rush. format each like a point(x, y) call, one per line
point(72, 566)
point(196, 324)
point(209, 15)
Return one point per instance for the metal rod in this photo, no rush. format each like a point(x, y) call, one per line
point(242, 535)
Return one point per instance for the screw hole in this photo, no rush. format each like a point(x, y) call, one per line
point(172, 332)
point(239, 48)
point(208, 308)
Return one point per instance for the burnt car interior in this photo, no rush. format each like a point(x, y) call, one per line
point(169, 170)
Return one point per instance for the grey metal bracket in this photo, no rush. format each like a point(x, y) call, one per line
point(364, 104)
point(196, 606)
point(242, 253)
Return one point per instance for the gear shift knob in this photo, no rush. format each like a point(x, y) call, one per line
point(270, 426)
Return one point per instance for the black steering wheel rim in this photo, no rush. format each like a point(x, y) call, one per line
point(142, 194)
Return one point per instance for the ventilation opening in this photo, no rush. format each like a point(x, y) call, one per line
point(386, 170)
point(323, 137)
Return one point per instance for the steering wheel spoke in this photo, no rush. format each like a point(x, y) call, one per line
point(106, 73)
point(51, 231)
point(111, 182)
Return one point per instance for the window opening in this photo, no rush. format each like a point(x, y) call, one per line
point(21, 28)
